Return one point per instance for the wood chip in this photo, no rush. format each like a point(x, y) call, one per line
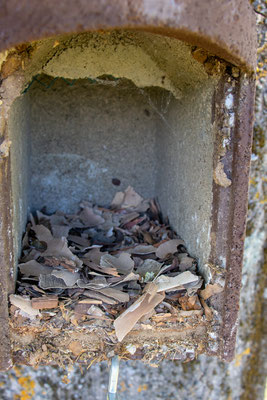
point(90, 301)
point(64, 262)
point(56, 247)
point(167, 317)
point(44, 302)
point(104, 270)
point(191, 313)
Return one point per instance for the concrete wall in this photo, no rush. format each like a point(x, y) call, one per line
point(84, 136)
point(19, 130)
point(184, 180)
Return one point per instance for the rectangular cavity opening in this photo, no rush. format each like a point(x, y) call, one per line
point(71, 139)
point(136, 111)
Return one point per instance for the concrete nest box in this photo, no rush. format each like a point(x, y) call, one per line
point(159, 97)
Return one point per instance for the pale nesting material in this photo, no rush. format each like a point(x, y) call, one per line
point(169, 283)
point(24, 304)
point(142, 306)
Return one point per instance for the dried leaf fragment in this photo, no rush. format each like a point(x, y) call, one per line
point(123, 263)
point(207, 310)
point(149, 266)
point(95, 311)
point(169, 283)
point(89, 218)
point(99, 296)
point(68, 277)
point(142, 306)
point(75, 347)
point(33, 268)
point(97, 282)
point(52, 261)
point(127, 199)
point(190, 303)
point(131, 198)
point(115, 294)
point(210, 290)
point(142, 249)
point(169, 247)
point(60, 231)
point(52, 282)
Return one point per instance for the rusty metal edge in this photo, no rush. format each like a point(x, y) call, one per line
point(230, 208)
point(227, 29)
point(239, 198)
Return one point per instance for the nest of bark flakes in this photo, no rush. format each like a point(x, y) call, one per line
point(118, 265)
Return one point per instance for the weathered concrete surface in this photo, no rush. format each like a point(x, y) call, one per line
point(217, 26)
